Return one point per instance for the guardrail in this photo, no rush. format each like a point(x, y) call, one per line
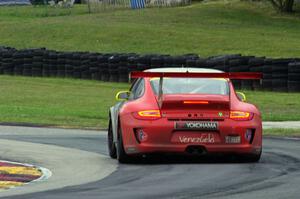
point(278, 74)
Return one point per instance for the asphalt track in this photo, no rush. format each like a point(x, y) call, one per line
point(277, 175)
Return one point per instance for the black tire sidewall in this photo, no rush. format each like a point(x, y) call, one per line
point(121, 154)
point(111, 146)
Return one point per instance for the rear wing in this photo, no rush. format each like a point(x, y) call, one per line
point(161, 75)
point(235, 75)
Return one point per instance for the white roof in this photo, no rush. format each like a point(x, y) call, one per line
point(183, 70)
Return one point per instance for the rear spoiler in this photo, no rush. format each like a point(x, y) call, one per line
point(161, 75)
point(235, 75)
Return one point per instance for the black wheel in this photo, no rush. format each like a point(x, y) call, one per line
point(294, 76)
point(254, 157)
point(121, 154)
point(250, 157)
point(294, 67)
point(110, 142)
point(294, 86)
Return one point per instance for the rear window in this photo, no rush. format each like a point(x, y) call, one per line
point(191, 86)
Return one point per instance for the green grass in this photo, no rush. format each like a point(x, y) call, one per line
point(276, 106)
point(207, 28)
point(58, 102)
point(85, 103)
point(282, 132)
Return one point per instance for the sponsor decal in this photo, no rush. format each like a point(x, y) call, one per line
point(204, 138)
point(233, 139)
point(220, 114)
point(197, 125)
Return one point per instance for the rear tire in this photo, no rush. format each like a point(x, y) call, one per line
point(121, 154)
point(251, 157)
point(110, 142)
point(254, 158)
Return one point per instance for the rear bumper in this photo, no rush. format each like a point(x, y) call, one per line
point(182, 149)
point(160, 133)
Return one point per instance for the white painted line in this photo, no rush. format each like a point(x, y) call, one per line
point(282, 125)
point(17, 130)
point(46, 173)
point(284, 138)
point(290, 138)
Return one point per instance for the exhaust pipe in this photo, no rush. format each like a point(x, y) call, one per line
point(196, 150)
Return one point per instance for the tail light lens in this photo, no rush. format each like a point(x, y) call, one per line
point(147, 115)
point(195, 102)
point(241, 115)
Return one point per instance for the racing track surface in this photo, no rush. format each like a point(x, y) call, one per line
point(276, 176)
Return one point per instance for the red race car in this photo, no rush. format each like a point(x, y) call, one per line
point(186, 111)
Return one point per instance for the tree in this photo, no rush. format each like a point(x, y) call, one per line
point(283, 5)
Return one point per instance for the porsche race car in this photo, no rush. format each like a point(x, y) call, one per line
point(192, 111)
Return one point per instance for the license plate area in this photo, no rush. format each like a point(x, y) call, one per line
point(233, 139)
point(197, 125)
point(193, 137)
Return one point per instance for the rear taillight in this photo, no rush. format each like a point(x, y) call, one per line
point(147, 114)
point(241, 115)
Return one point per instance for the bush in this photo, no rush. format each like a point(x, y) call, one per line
point(283, 5)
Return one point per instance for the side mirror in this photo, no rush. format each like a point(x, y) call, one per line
point(122, 95)
point(241, 96)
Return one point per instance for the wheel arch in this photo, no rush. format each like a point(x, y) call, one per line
point(114, 123)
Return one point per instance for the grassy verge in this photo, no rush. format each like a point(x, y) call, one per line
point(58, 102)
point(207, 28)
point(85, 103)
point(282, 132)
point(276, 106)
